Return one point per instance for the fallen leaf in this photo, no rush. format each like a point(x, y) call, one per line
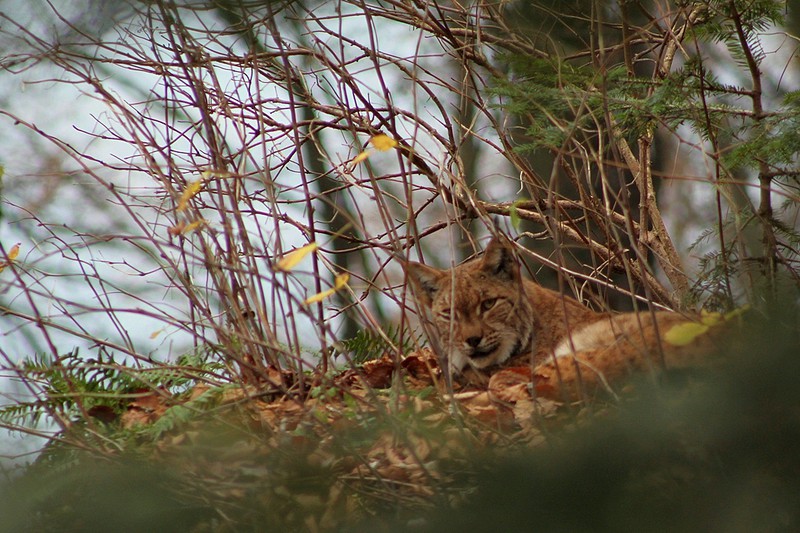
point(523, 413)
point(144, 409)
point(482, 408)
point(376, 374)
point(198, 390)
point(511, 385)
point(103, 413)
point(421, 363)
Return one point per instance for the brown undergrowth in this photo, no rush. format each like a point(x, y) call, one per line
point(383, 447)
point(370, 439)
point(369, 443)
point(376, 442)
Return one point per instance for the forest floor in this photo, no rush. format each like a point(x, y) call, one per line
point(383, 446)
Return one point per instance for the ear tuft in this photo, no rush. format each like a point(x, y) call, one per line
point(425, 281)
point(500, 260)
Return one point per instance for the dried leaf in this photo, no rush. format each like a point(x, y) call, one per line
point(523, 413)
point(290, 260)
point(511, 385)
point(378, 373)
point(103, 413)
point(144, 409)
point(421, 363)
point(482, 408)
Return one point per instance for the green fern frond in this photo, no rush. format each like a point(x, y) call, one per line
point(368, 344)
point(70, 385)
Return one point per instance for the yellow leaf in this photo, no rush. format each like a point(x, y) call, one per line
point(200, 222)
point(189, 192)
point(290, 260)
point(182, 228)
point(361, 157)
point(340, 281)
point(383, 142)
point(684, 333)
point(319, 296)
point(208, 174)
point(737, 312)
point(11, 256)
point(13, 252)
point(177, 229)
point(710, 319)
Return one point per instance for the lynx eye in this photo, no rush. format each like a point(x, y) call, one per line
point(488, 304)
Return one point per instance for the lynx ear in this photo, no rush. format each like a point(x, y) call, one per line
point(499, 260)
point(425, 281)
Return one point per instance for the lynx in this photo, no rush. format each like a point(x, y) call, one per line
point(486, 314)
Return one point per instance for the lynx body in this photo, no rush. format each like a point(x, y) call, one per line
point(486, 313)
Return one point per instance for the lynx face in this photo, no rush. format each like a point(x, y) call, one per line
point(480, 309)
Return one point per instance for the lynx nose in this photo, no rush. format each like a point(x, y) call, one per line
point(474, 341)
